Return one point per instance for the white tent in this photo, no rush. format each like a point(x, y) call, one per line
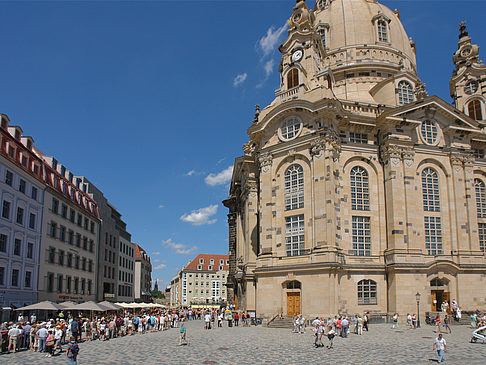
point(45, 305)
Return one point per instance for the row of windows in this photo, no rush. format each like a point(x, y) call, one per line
point(18, 247)
point(211, 261)
point(15, 278)
point(71, 238)
point(202, 276)
point(68, 284)
point(125, 276)
point(69, 259)
point(124, 291)
point(126, 263)
point(210, 267)
point(22, 185)
point(19, 216)
point(127, 250)
point(88, 224)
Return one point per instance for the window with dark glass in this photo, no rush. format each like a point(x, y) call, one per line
point(20, 215)
point(22, 186)
point(9, 178)
point(55, 205)
point(17, 247)
point(6, 209)
point(474, 110)
point(52, 255)
point(69, 262)
point(33, 194)
point(30, 250)
point(2, 275)
point(28, 279)
point(32, 221)
point(293, 78)
point(50, 282)
point(15, 277)
point(367, 292)
point(3, 242)
point(53, 232)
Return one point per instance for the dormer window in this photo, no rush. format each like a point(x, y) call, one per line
point(211, 262)
point(210, 267)
point(474, 110)
point(199, 267)
point(405, 93)
point(201, 261)
point(382, 30)
point(293, 78)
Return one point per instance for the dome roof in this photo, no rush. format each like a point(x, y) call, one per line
point(352, 23)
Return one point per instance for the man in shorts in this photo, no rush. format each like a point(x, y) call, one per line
point(182, 336)
point(13, 337)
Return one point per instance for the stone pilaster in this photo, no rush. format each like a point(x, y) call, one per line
point(266, 234)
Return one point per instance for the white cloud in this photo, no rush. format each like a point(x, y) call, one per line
point(155, 260)
point(239, 79)
point(156, 253)
point(220, 178)
point(269, 41)
point(268, 67)
point(179, 248)
point(161, 206)
point(201, 216)
point(160, 267)
point(190, 173)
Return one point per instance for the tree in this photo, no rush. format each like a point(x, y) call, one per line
point(157, 294)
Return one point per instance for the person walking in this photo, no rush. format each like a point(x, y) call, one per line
point(182, 336)
point(447, 324)
point(72, 351)
point(440, 346)
point(330, 336)
point(395, 320)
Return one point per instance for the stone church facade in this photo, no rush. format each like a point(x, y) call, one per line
point(357, 190)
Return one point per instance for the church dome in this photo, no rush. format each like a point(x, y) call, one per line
point(364, 24)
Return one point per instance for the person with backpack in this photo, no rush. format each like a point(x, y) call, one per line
point(72, 351)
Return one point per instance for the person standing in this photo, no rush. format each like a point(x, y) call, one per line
point(26, 330)
point(440, 346)
point(237, 318)
point(42, 335)
point(365, 322)
point(447, 324)
point(13, 338)
point(72, 351)
point(230, 319)
point(360, 325)
point(395, 320)
point(330, 336)
point(345, 327)
point(207, 321)
point(75, 329)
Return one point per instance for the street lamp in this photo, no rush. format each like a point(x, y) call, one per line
point(417, 297)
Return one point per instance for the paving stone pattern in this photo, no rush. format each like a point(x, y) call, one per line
point(262, 345)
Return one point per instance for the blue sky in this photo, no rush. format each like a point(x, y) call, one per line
point(151, 100)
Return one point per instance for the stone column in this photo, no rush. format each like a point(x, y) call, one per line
point(395, 199)
point(231, 203)
point(265, 226)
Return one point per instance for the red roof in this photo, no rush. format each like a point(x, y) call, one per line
point(206, 262)
point(139, 252)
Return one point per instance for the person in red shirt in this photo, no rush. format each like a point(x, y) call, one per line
point(236, 318)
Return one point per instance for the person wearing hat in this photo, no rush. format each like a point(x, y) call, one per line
point(57, 338)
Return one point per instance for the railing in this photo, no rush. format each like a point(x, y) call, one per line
point(287, 94)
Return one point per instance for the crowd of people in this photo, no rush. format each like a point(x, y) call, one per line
point(478, 319)
point(332, 327)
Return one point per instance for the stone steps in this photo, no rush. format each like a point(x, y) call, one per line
point(281, 323)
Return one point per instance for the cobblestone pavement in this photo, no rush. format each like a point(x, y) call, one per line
point(262, 345)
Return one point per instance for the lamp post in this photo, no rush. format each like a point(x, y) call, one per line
point(417, 297)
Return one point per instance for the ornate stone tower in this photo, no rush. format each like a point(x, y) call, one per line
point(468, 81)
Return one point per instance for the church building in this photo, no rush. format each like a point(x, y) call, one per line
point(356, 190)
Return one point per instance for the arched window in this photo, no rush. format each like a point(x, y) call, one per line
point(430, 190)
point(293, 78)
point(437, 282)
point(405, 93)
point(293, 284)
point(382, 31)
point(294, 187)
point(480, 198)
point(367, 292)
point(474, 110)
point(360, 197)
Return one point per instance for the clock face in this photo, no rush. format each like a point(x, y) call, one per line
point(466, 52)
point(297, 55)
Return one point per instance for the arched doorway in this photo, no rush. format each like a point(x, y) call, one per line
point(293, 289)
point(439, 293)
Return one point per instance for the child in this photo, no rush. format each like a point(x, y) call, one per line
point(72, 351)
point(183, 334)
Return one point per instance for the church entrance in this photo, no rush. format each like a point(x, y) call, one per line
point(439, 294)
point(293, 304)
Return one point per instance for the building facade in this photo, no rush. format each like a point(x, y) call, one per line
point(22, 199)
point(175, 289)
point(70, 236)
point(357, 190)
point(143, 275)
point(115, 265)
point(203, 280)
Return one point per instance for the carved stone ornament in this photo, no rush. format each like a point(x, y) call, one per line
point(249, 148)
point(461, 159)
point(420, 92)
point(318, 146)
point(408, 155)
point(392, 154)
point(265, 160)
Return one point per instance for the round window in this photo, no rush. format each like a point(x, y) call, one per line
point(290, 129)
point(471, 87)
point(429, 132)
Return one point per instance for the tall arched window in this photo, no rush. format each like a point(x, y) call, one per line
point(367, 292)
point(474, 110)
point(405, 93)
point(360, 197)
point(293, 78)
point(430, 190)
point(382, 31)
point(480, 197)
point(294, 187)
